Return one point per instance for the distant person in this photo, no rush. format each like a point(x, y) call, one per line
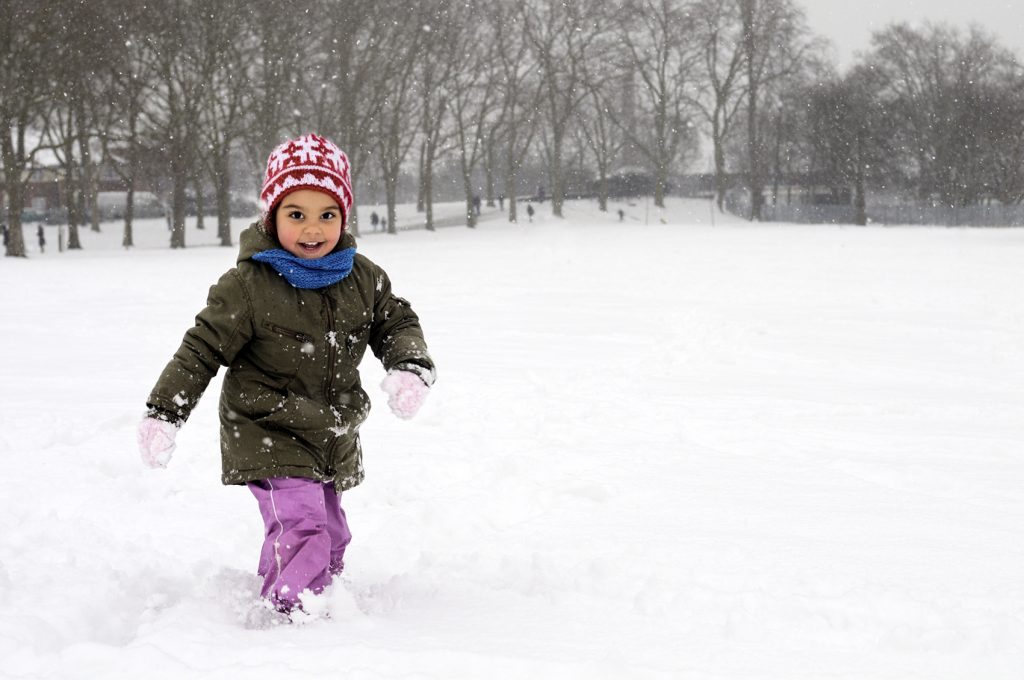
point(291, 403)
point(383, 224)
point(529, 211)
point(374, 220)
point(42, 238)
point(622, 214)
point(476, 204)
point(501, 202)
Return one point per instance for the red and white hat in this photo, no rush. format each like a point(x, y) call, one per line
point(309, 162)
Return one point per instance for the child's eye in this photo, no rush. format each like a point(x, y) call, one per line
point(328, 215)
point(295, 215)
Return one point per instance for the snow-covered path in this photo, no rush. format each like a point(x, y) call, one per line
point(654, 451)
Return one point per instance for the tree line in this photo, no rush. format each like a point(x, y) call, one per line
point(188, 94)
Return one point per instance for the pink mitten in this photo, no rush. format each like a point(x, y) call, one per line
point(156, 441)
point(406, 392)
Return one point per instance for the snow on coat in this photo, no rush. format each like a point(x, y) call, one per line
point(291, 403)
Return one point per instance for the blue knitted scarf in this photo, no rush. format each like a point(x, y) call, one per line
point(315, 273)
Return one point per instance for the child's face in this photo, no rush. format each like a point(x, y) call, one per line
point(308, 223)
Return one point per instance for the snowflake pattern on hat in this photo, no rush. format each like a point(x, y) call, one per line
point(309, 162)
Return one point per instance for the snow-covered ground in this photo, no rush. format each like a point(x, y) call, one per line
point(654, 451)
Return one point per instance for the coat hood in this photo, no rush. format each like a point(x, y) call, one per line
point(254, 239)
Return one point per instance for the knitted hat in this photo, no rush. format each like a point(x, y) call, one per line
point(309, 162)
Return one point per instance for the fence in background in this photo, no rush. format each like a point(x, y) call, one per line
point(995, 215)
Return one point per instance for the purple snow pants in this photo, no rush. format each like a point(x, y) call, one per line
point(306, 535)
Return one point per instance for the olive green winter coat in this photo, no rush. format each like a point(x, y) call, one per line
point(291, 403)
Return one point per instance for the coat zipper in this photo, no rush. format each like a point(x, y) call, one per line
point(281, 330)
point(332, 350)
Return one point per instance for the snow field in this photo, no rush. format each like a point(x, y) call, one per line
point(654, 451)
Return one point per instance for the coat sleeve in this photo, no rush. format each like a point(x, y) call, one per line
point(221, 330)
point(395, 335)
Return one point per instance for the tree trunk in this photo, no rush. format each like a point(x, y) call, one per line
point(510, 195)
point(467, 184)
point(93, 197)
point(128, 240)
point(756, 189)
point(391, 197)
point(133, 167)
point(661, 169)
point(421, 190)
point(223, 185)
point(89, 189)
point(390, 169)
point(197, 186)
point(427, 182)
point(660, 156)
point(489, 169)
point(860, 205)
point(15, 204)
point(352, 219)
point(74, 208)
point(80, 203)
point(179, 181)
point(74, 242)
point(89, 182)
point(777, 169)
point(720, 181)
point(70, 196)
point(71, 189)
point(557, 178)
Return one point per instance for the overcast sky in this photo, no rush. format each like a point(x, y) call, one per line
point(849, 23)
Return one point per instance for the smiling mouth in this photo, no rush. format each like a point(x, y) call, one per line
point(311, 247)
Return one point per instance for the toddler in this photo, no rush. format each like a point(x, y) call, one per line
point(291, 322)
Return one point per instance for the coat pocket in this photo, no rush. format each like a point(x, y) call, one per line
point(278, 352)
point(302, 419)
point(355, 341)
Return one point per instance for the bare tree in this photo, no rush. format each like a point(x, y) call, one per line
point(491, 162)
point(718, 35)
point(283, 39)
point(602, 138)
point(223, 102)
point(519, 95)
point(1004, 143)
point(89, 152)
point(660, 44)
point(61, 135)
point(472, 98)
point(127, 76)
point(751, 47)
point(436, 64)
point(937, 79)
point(82, 78)
point(395, 133)
point(602, 125)
point(775, 45)
point(25, 100)
point(784, 126)
point(90, 149)
point(847, 130)
point(175, 98)
point(347, 85)
point(562, 36)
